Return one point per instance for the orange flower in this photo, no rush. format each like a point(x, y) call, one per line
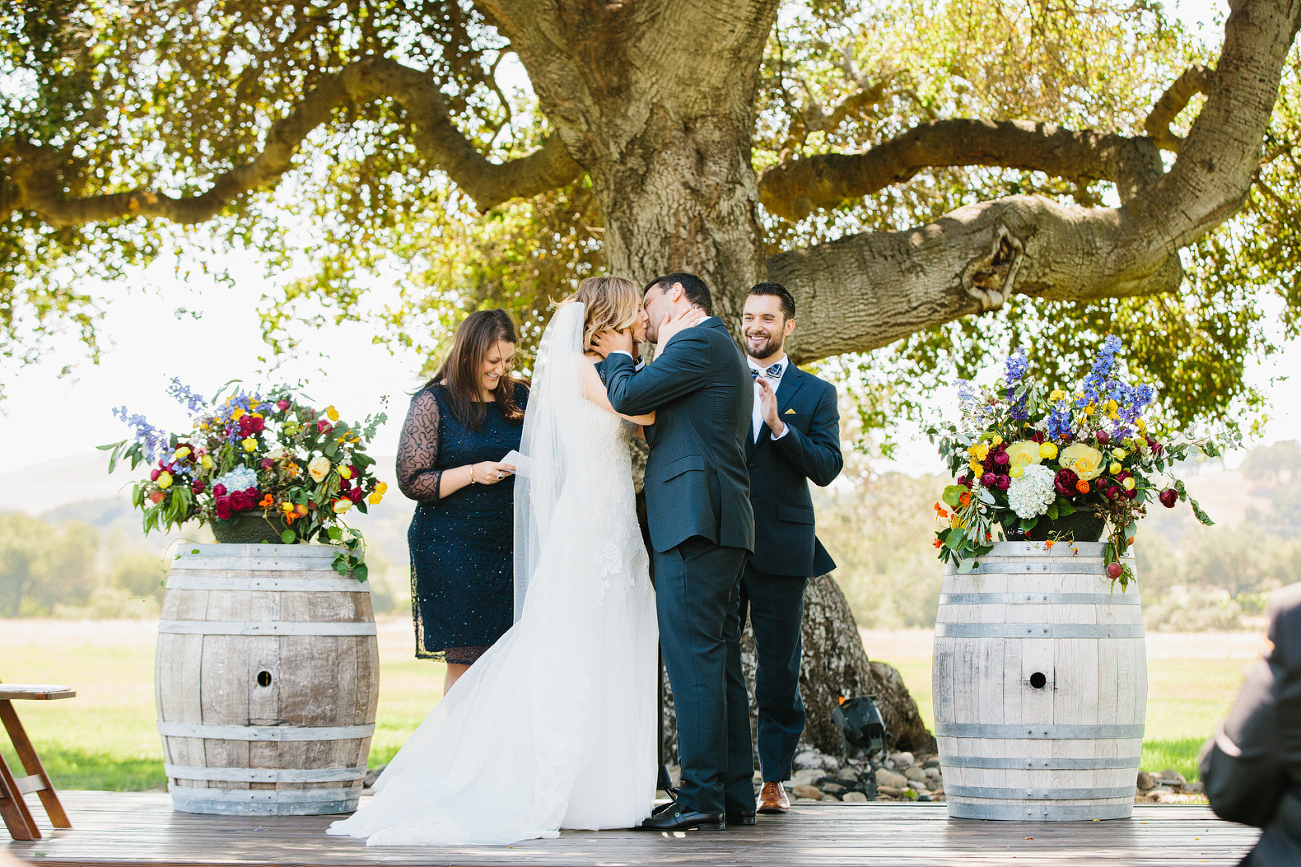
point(964, 498)
point(1049, 544)
point(290, 517)
point(1082, 486)
point(939, 544)
point(940, 511)
point(267, 501)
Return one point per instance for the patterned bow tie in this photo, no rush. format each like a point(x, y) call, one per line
point(773, 372)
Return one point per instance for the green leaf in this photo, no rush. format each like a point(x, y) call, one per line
point(334, 533)
point(1201, 515)
point(288, 537)
point(966, 565)
point(360, 572)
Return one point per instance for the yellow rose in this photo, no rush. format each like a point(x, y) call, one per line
point(237, 414)
point(381, 488)
point(1119, 454)
point(1048, 451)
point(164, 480)
point(250, 444)
point(207, 462)
point(1129, 483)
point(1115, 468)
point(332, 413)
point(1084, 460)
point(345, 472)
point(341, 506)
point(374, 498)
point(182, 453)
point(976, 467)
point(1023, 453)
point(319, 468)
point(997, 440)
point(1057, 394)
point(288, 507)
point(1016, 472)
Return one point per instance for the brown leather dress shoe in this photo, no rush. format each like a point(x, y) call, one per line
point(772, 799)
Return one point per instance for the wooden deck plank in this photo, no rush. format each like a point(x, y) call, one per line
point(129, 828)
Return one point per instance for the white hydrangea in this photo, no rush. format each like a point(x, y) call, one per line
point(238, 479)
point(1032, 494)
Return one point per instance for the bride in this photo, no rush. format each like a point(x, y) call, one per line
point(554, 726)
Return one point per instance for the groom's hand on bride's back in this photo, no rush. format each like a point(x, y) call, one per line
point(609, 340)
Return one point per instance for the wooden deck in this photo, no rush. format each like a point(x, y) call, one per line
point(115, 828)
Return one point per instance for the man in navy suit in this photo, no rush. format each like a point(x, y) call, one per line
point(702, 530)
point(794, 439)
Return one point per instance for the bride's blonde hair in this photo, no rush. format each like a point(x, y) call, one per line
point(610, 302)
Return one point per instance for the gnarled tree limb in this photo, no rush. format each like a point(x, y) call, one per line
point(36, 178)
point(1195, 79)
point(866, 291)
point(795, 188)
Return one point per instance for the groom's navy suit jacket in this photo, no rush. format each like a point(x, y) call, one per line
point(697, 482)
point(781, 469)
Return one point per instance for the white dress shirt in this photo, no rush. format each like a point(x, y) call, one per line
point(756, 415)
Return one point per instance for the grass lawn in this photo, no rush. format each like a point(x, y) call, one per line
point(106, 739)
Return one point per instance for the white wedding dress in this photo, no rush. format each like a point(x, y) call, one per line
point(554, 727)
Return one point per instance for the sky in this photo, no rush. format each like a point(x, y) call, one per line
point(157, 326)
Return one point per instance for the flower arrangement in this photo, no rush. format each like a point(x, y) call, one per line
point(269, 457)
point(1026, 457)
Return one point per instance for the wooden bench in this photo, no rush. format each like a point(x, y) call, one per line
point(13, 807)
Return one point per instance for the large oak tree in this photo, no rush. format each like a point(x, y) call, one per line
point(903, 168)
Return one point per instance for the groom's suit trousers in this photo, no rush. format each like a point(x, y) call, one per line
point(697, 590)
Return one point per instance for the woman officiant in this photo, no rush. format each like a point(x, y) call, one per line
point(459, 427)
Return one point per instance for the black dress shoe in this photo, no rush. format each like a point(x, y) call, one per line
point(679, 818)
point(740, 817)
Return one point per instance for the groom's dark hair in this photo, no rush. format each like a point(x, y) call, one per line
point(692, 286)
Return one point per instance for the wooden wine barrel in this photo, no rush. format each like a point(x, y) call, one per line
point(1039, 686)
point(266, 681)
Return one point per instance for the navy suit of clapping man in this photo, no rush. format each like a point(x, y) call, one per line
point(702, 531)
point(794, 439)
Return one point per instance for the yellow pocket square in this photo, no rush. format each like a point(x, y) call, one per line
point(790, 412)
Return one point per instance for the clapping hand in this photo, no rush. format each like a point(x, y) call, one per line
point(768, 407)
point(671, 325)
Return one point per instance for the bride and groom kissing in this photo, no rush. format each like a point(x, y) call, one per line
point(555, 725)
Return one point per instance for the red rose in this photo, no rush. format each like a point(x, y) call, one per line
point(355, 495)
point(964, 480)
point(197, 486)
point(324, 426)
point(345, 484)
point(1000, 458)
point(267, 463)
point(257, 424)
point(1037, 437)
point(282, 405)
point(1004, 482)
point(1065, 482)
point(240, 501)
point(219, 490)
point(989, 480)
point(1103, 437)
point(1131, 493)
point(1168, 497)
point(222, 506)
point(153, 477)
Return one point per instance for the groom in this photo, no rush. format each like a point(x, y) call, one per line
point(702, 530)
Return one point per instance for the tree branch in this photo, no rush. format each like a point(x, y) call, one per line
point(1195, 79)
point(866, 291)
point(794, 189)
point(37, 178)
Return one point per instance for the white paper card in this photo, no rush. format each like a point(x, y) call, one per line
point(518, 461)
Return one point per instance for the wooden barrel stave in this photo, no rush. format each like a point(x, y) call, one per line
point(305, 733)
point(1090, 652)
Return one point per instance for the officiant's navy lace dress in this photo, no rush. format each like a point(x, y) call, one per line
point(462, 582)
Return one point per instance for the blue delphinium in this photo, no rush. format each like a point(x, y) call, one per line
point(153, 442)
point(1013, 369)
point(185, 396)
point(1094, 386)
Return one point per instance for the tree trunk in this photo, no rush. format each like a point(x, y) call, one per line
point(834, 664)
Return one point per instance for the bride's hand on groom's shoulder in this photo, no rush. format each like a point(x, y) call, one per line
point(671, 325)
point(609, 340)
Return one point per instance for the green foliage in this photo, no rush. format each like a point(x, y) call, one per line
point(41, 564)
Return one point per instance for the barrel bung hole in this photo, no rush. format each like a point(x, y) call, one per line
point(1038, 680)
point(264, 678)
